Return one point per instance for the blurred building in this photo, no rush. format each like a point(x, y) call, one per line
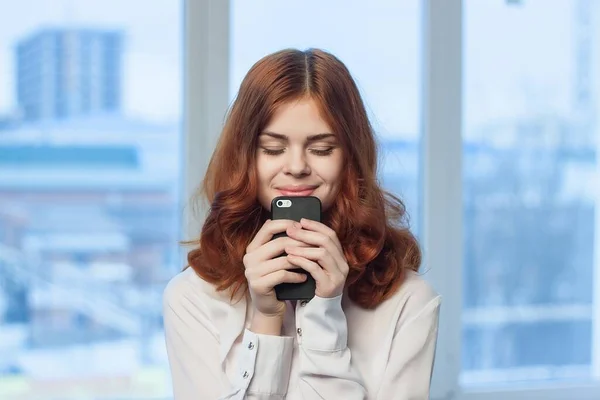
point(88, 232)
point(69, 72)
point(88, 208)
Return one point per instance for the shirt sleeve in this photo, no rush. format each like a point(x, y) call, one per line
point(408, 373)
point(262, 366)
point(326, 370)
point(268, 367)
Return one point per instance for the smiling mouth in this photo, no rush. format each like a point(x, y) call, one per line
point(304, 191)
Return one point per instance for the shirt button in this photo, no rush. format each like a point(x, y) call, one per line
point(299, 330)
point(303, 303)
point(245, 376)
point(250, 345)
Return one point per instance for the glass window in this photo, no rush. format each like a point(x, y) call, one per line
point(380, 44)
point(531, 278)
point(89, 196)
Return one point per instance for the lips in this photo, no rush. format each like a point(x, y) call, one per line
point(296, 190)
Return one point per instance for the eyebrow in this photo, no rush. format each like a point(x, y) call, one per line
point(311, 138)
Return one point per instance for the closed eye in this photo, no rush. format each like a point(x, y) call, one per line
point(322, 151)
point(272, 151)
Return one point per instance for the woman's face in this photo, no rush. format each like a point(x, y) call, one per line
point(298, 155)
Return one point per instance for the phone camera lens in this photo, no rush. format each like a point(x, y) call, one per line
point(279, 203)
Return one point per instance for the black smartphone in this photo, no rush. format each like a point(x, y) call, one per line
point(295, 208)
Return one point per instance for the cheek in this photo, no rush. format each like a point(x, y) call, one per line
point(266, 168)
point(331, 169)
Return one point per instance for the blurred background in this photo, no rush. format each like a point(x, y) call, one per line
point(93, 169)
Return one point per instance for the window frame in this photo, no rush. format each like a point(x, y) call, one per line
point(205, 98)
point(206, 90)
point(441, 180)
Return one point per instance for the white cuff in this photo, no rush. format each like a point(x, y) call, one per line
point(265, 363)
point(324, 325)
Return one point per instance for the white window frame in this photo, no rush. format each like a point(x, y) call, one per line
point(441, 180)
point(206, 98)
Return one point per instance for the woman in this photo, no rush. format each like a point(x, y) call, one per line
point(299, 127)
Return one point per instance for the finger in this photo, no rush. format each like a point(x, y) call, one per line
point(266, 232)
point(317, 226)
point(267, 282)
point(317, 239)
point(311, 267)
point(267, 267)
point(318, 254)
point(275, 248)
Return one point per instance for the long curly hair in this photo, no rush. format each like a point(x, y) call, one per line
point(371, 223)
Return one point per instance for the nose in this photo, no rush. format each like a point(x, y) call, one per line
point(296, 163)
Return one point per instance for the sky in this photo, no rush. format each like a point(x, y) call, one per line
point(379, 42)
point(517, 59)
point(153, 46)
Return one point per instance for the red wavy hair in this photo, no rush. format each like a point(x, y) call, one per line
point(370, 222)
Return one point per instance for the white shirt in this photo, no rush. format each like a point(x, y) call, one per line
point(329, 348)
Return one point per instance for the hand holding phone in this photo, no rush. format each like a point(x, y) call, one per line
point(266, 268)
point(295, 208)
point(321, 254)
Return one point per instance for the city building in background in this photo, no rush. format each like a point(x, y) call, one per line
point(63, 73)
point(89, 224)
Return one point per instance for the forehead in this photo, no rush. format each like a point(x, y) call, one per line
point(298, 119)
